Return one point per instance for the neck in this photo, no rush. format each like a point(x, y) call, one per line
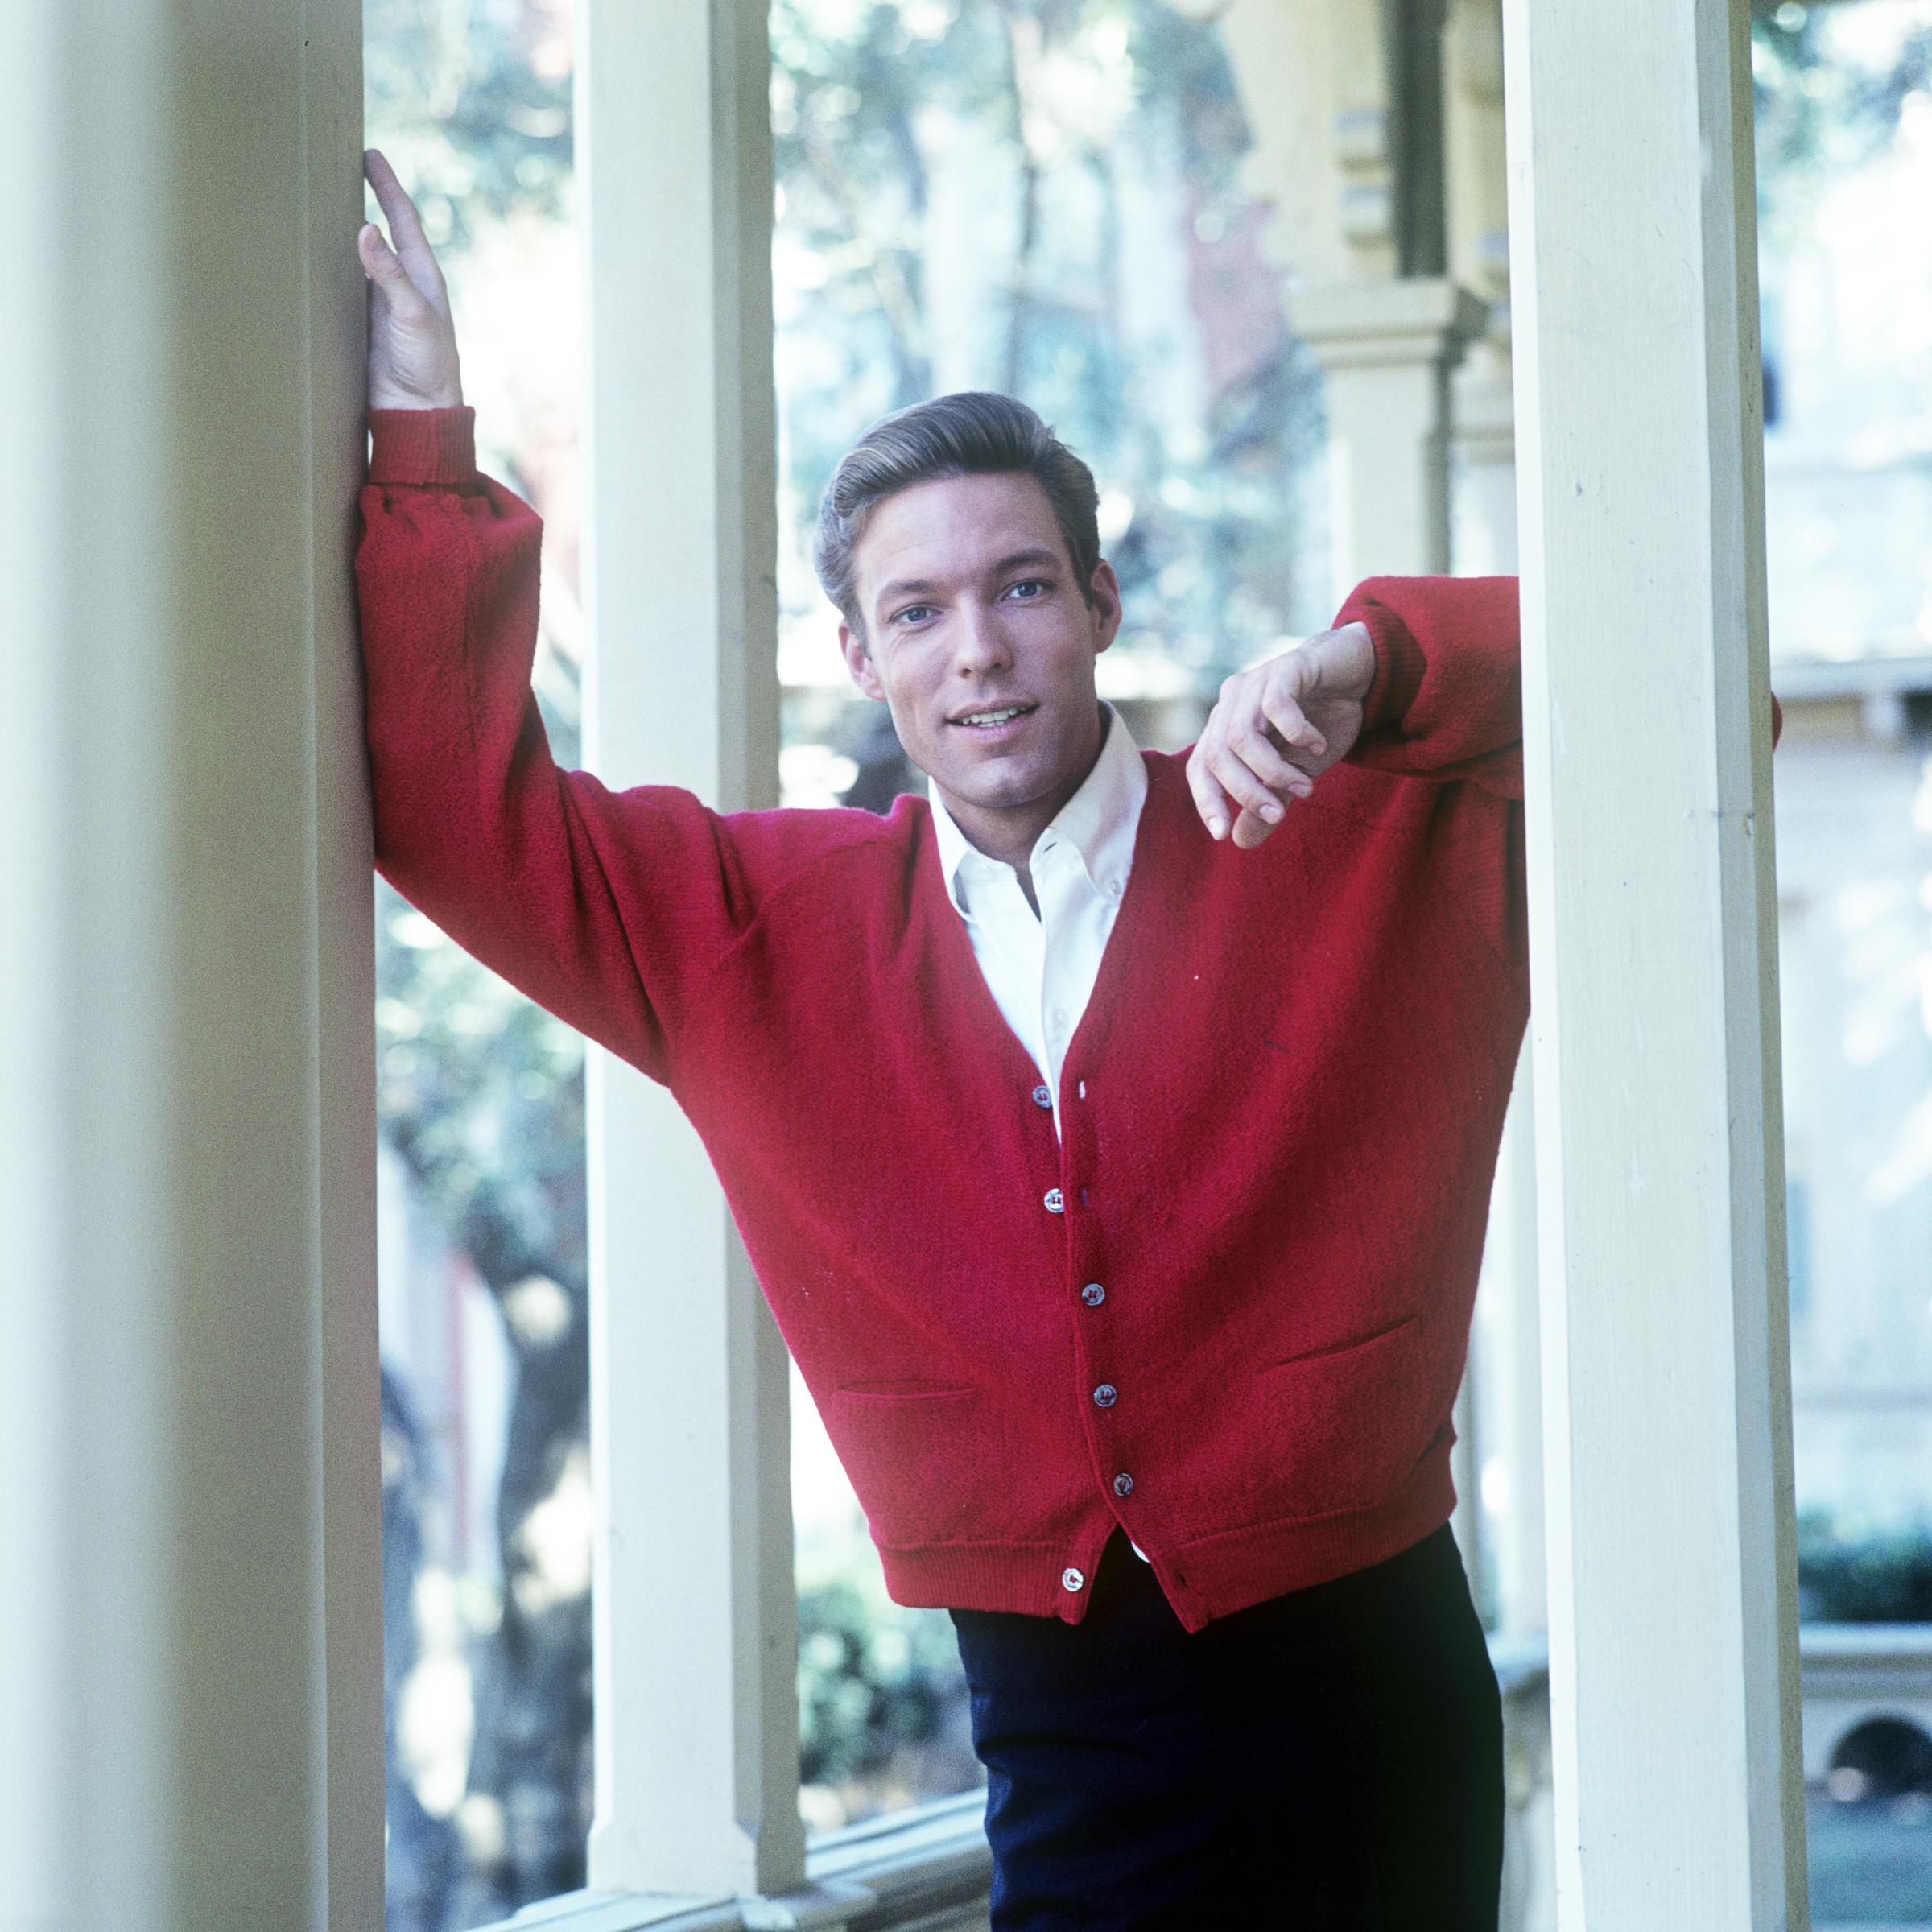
point(1009, 832)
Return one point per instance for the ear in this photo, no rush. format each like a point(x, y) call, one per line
point(858, 661)
point(1105, 610)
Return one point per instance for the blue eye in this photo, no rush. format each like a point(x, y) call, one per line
point(913, 614)
point(1038, 587)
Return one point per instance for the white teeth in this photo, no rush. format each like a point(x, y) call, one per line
point(991, 717)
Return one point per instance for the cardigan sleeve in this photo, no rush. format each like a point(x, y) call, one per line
point(607, 908)
point(1446, 701)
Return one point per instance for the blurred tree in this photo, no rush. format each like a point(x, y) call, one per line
point(1815, 106)
point(1090, 113)
point(471, 100)
point(1084, 111)
point(480, 1093)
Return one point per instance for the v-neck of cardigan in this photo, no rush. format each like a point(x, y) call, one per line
point(1151, 841)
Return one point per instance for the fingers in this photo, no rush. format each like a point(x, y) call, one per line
point(1240, 773)
point(1210, 801)
point(1280, 709)
point(412, 247)
point(379, 263)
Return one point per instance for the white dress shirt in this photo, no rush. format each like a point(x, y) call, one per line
point(1040, 968)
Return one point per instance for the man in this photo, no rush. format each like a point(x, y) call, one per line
point(1112, 1135)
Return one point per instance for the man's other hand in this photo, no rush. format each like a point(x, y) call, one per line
point(1276, 729)
point(412, 341)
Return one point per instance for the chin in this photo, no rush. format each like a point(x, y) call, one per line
point(994, 790)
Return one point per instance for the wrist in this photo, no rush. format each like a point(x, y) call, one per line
point(1356, 660)
point(386, 396)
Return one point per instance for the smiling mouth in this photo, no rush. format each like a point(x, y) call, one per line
point(991, 720)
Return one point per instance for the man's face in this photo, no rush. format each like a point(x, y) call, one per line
point(979, 641)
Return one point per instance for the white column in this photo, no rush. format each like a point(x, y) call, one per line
point(1485, 459)
point(1672, 1599)
point(1387, 347)
point(1510, 1324)
point(695, 1618)
point(190, 1567)
point(1479, 258)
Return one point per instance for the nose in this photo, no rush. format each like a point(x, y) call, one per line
point(980, 645)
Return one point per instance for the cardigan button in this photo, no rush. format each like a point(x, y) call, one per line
point(1093, 1295)
point(1043, 1097)
point(1123, 1484)
point(1056, 1202)
point(1106, 1396)
point(1071, 1579)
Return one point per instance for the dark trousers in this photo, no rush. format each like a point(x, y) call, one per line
point(1328, 1762)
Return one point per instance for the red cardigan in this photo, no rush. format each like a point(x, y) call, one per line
point(1229, 1311)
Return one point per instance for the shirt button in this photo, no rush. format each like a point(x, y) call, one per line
point(1106, 1395)
point(1059, 1016)
point(1043, 1097)
point(1071, 1579)
point(1056, 1202)
point(1123, 1485)
point(1093, 1295)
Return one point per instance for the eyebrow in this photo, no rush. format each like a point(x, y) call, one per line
point(902, 587)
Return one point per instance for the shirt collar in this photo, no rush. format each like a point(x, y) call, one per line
point(1098, 821)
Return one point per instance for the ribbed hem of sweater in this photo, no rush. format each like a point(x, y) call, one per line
point(1213, 1576)
point(422, 445)
point(1399, 663)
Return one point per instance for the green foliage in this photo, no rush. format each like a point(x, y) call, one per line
point(482, 1093)
point(873, 1677)
point(1849, 1575)
point(1075, 105)
point(1818, 110)
point(471, 100)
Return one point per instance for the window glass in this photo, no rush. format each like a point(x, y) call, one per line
point(1845, 147)
point(1045, 199)
point(486, 1502)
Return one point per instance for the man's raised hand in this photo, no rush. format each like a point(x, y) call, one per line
point(1275, 729)
point(412, 341)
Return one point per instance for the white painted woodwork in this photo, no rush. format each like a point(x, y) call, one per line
point(1510, 1326)
point(1283, 53)
point(1474, 164)
point(1672, 1600)
point(1483, 399)
point(1361, 136)
point(695, 1618)
point(190, 1564)
point(1387, 348)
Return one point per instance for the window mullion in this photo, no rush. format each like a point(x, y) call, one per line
point(696, 1619)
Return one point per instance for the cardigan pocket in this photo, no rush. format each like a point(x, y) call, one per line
point(907, 1446)
point(1352, 1419)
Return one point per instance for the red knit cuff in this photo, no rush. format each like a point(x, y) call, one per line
point(1399, 663)
point(422, 445)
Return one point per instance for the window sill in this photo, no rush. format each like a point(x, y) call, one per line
point(918, 1867)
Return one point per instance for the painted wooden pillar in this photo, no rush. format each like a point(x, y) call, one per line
point(1672, 1597)
point(1485, 542)
point(190, 1559)
point(1387, 347)
point(695, 1618)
